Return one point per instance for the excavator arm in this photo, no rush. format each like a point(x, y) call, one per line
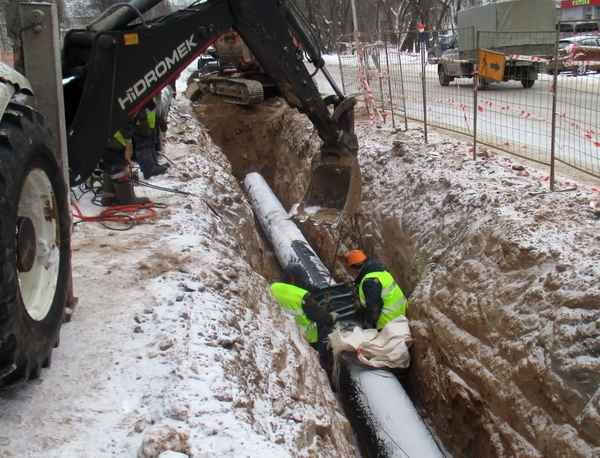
point(114, 68)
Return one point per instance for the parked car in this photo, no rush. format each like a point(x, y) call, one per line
point(444, 43)
point(577, 54)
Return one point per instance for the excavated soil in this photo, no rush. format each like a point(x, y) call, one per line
point(502, 276)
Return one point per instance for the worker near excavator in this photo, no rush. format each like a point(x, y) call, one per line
point(379, 294)
point(145, 139)
point(295, 295)
point(117, 183)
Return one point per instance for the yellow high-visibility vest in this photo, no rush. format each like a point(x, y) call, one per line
point(394, 302)
point(290, 298)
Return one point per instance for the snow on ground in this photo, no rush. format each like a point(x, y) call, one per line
point(176, 342)
point(177, 345)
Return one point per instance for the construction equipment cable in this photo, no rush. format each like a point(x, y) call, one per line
point(126, 215)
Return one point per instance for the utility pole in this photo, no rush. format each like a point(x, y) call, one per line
point(354, 20)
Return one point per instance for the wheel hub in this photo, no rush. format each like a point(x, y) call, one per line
point(26, 244)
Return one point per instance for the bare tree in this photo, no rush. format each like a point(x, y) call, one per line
point(326, 20)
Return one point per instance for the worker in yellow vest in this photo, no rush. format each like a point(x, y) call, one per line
point(381, 297)
point(117, 182)
point(295, 296)
point(145, 137)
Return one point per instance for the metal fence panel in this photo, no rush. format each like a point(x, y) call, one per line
point(511, 115)
point(398, 78)
point(577, 120)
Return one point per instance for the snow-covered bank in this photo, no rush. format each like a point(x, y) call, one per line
point(176, 342)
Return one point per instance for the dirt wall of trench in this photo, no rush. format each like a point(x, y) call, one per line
point(502, 277)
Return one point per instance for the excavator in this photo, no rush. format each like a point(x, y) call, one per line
point(229, 70)
point(61, 105)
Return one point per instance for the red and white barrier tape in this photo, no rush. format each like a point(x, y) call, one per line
point(369, 99)
point(574, 63)
point(529, 58)
point(508, 108)
point(589, 134)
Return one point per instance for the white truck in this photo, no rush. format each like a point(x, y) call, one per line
point(523, 31)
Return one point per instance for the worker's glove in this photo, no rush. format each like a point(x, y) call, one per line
point(163, 125)
point(145, 127)
point(334, 315)
point(128, 150)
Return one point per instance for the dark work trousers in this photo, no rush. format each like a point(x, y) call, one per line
point(145, 152)
point(114, 161)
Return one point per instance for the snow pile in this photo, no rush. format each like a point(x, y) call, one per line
point(504, 293)
point(176, 342)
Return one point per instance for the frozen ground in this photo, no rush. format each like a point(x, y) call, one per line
point(176, 344)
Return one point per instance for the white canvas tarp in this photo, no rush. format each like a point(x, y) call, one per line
point(388, 348)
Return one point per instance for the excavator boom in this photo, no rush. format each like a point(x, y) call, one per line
point(115, 68)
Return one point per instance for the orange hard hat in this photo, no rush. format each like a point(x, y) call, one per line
point(356, 257)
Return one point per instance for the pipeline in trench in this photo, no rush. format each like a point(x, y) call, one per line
point(380, 411)
point(278, 143)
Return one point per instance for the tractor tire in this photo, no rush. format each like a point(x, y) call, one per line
point(35, 227)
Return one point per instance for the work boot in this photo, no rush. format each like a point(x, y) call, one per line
point(109, 196)
point(157, 170)
point(124, 188)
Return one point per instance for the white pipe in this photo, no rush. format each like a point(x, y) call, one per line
point(285, 237)
point(385, 418)
point(399, 431)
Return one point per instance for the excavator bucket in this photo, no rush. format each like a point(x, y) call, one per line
point(333, 193)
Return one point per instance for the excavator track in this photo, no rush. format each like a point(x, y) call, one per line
point(235, 90)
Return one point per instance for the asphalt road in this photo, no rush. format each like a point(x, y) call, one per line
point(509, 116)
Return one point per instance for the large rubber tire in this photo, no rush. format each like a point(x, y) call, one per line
point(35, 266)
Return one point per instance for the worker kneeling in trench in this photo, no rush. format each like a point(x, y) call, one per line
point(379, 294)
point(296, 295)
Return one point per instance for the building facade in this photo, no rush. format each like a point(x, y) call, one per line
point(578, 10)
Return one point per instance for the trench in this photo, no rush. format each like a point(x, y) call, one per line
point(249, 136)
point(504, 322)
point(277, 142)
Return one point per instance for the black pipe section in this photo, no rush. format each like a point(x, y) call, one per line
point(379, 408)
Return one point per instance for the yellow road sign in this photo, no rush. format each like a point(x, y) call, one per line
point(491, 65)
